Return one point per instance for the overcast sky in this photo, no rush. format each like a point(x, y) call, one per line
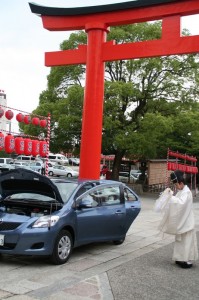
point(23, 43)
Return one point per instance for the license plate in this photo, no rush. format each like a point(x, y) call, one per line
point(1, 239)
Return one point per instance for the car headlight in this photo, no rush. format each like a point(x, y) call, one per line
point(46, 221)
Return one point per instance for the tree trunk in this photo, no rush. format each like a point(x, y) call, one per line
point(116, 164)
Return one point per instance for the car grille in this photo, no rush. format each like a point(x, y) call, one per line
point(9, 226)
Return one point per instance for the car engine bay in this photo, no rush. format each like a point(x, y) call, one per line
point(28, 208)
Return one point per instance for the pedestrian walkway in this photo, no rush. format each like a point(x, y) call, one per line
point(140, 268)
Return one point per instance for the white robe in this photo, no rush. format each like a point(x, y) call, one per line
point(178, 220)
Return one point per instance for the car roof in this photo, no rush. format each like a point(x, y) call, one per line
point(82, 181)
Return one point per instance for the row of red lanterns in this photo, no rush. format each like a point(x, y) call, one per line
point(184, 168)
point(23, 118)
point(182, 156)
point(21, 145)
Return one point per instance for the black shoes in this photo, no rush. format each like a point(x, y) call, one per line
point(184, 264)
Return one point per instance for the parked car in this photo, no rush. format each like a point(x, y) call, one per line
point(27, 158)
point(58, 158)
point(43, 216)
point(135, 173)
point(62, 171)
point(124, 177)
point(74, 161)
point(5, 160)
point(6, 167)
point(21, 164)
point(37, 166)
point(131, 178)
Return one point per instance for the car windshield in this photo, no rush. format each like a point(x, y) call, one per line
point(66, 189)
point(30, 196)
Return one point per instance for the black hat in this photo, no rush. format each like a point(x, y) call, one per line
point(177, 176)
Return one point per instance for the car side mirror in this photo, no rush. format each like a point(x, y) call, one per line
point(85, 203)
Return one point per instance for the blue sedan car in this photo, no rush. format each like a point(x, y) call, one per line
point(42, 216)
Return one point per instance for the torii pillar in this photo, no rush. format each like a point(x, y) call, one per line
point(95, 20)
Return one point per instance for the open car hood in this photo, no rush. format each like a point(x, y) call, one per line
point(25, 181)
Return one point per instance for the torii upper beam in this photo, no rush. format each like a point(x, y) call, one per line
point(96, 20)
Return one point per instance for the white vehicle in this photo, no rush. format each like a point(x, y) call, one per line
point(74, 161)
point(6, 167)
point(58, 158)
point(5, 160)
point(39, 166)
point(62, 171)
point(36, 166)
point(22, 164)
point(25, 158)
point(135, 173)
point(126, 178)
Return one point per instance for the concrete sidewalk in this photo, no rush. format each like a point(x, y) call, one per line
point(140, 268)
point(154, 275)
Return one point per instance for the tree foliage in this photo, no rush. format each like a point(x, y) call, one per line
point(150, 104)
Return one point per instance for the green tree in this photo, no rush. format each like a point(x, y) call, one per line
point(146, 100)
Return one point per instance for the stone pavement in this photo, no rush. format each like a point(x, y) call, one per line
point(140, 268)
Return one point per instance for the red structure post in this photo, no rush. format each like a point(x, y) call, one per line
point(48, 143)
point(93, 103)
point(96, 20)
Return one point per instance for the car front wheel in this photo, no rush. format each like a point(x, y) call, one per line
point(119, 242)
point(50, 173)
point(62, 248)
point(69, 175)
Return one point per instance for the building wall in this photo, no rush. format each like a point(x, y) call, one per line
point(3, 120)
point(157, 172)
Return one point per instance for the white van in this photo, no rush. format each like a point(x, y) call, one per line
point(58, 158)
point(6, 160)
point(26, 158)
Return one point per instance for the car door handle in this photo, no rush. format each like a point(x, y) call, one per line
point(119, 212)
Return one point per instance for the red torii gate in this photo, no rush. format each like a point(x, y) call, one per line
point(95, 20)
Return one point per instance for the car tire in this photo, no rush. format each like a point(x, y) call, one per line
point(62, 248)
point(119, 242)
point(69, 175)
point(50, 173)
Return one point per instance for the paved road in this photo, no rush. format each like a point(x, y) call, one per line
point(139, 269)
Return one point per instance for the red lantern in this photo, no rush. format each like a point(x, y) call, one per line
point(174, 166)
point(1, 112)
point(27, 119)
point(191, 158)
point(43, 123)
point(182, 167)
point(35, 121)
point(27, 147)
point(9, 114)
point(19, 145)
point(2, 139)
point(188, 169)
point(169, 166)
point(20, 117)
point(171, 153)
point(43, 148)
point(35, 147)
point(9, 143)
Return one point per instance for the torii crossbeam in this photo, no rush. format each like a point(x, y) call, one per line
point(96, 20)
